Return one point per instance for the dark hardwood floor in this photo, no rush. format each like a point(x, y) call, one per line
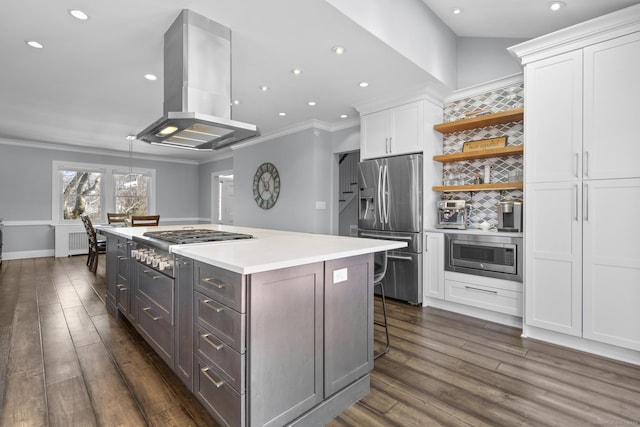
point(65, 362)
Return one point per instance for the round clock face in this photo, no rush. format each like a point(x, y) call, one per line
point(266, 185)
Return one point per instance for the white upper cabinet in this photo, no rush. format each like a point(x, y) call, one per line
point(611, 111)
point(398, 130)
point(553, 118)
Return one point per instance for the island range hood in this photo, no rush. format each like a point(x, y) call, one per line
point(197, 88)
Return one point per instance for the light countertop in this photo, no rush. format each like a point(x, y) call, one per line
point(268, 250)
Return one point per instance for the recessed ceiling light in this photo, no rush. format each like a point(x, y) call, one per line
point(363, 84)
point(236, 102)
point(296, 71)
point(282, 114)
point(78, 14)
point(338, 50)
point(556, 5)
point(264, 88)
point(151, 77)
point(34, 44)
point(311, 103)
point(457, 11)
point(343, 116)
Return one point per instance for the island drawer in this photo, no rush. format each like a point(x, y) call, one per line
point(223, 285)
point(229, 363)
point(156, 328)
point(227, 325)
point(226, 405)
point(157, 287)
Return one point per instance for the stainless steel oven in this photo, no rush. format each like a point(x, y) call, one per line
point(483, 255)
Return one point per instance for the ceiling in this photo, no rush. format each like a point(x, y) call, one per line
point(86, 87)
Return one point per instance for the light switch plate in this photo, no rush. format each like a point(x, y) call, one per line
point(321, 204)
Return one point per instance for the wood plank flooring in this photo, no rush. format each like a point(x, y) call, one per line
point(65, 362)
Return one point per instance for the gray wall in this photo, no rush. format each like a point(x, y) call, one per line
point(25, 191)
point(482, 59)
point(305, 164)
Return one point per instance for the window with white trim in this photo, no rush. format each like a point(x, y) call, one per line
point(98, 189)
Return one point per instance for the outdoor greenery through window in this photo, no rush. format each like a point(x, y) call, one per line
point(81, 194)
point(132, 191)
point(95, 189)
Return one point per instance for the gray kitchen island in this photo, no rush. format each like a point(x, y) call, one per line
point(273, 330)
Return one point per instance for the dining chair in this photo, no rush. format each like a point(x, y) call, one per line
point(117, 218)
point(95, 246)
point(144, 220)
point(379, 270)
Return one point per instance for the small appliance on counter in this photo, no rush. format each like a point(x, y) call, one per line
point(510, 215)
point(452, 214)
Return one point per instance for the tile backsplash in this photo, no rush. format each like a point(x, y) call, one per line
point(483, 203)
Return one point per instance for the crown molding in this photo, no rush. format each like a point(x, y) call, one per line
point(577, 36)
point(94, 151)
point(434, 92)
point(479, 89)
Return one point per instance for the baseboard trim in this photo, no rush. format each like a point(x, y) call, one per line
point(7, 256)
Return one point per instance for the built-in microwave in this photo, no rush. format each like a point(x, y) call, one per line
point(483, 255)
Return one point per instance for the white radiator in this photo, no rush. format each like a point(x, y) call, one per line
point(70, 240)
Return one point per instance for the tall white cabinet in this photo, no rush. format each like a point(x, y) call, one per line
point(582, 181)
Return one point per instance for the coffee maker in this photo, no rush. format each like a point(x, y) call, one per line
point(510, 215)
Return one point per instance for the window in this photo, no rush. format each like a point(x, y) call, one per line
point(98, 189)
point(132, 193)
point(81, 193)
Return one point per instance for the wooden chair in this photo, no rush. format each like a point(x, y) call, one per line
point(117, 218)
point(95, 246)
point(145, 220)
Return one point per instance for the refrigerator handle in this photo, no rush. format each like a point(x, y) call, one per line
point(385, 194)
point(380, 194)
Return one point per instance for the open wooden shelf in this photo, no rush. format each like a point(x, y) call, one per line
point(513, 150)
point(481, 187)
point(492, 119)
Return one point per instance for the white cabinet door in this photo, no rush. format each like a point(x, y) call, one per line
point(553, 253)
point(434, 265)
point(553, 118)
point(374, 135)
point(611, 94)
point(406, 132)
point(399, 130)
point(611, 283)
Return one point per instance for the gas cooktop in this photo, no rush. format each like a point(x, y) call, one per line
point(185, 236)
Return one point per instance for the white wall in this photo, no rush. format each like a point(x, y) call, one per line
point(482, 59)
point(412, 29)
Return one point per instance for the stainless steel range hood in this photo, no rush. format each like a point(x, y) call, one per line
point(197, 88)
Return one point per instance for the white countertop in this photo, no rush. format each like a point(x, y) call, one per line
point(268, 250)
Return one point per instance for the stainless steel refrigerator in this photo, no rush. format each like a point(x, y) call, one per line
point(390, 207)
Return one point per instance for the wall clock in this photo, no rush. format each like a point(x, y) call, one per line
point(266, 185)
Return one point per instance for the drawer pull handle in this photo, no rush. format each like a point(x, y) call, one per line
point(122, 258)
point(205, 371)
point(148, 311)
point(471, 288)
point(214, 345)
point(213, 307)
point(122, 287)
point(218, 284)
point(151, 276)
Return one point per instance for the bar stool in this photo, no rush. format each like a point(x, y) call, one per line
point(379, 270)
